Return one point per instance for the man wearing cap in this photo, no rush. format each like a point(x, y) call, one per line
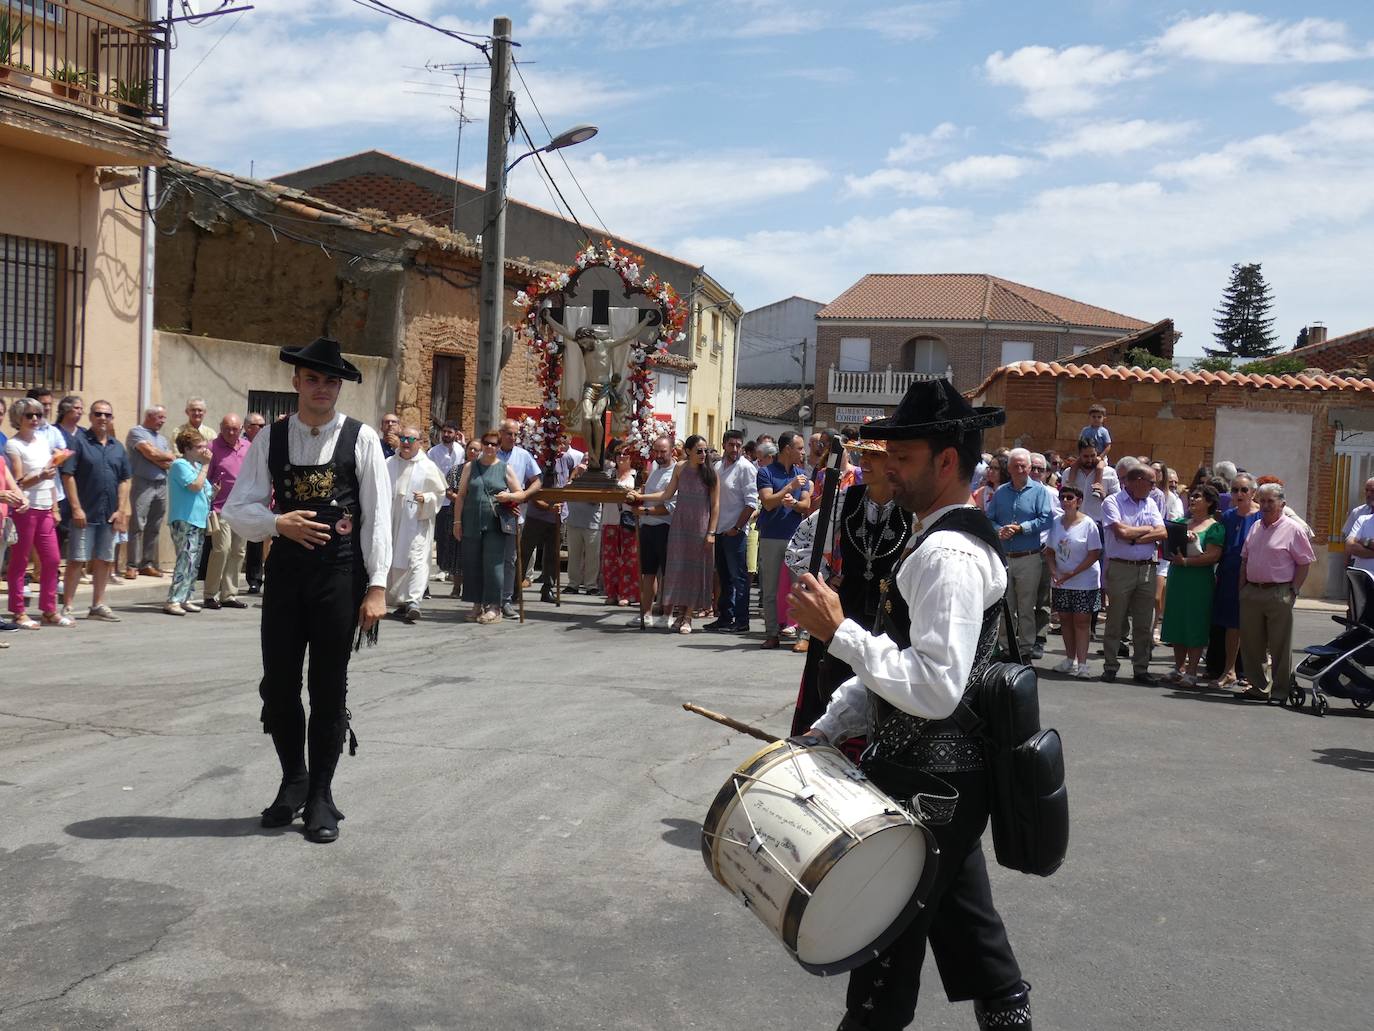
point(911, 673)
point(326, 573)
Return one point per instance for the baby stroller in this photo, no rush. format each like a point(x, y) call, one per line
point(1342, 667)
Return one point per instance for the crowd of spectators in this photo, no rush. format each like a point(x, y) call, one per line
point(1098, 548)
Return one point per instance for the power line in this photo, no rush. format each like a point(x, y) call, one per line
point(205, 57)
point(595, 214)
point(539, 157)
point(472, 39)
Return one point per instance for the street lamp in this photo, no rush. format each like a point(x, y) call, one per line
point(567, 138)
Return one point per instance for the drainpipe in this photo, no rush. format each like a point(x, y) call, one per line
point(145, 341)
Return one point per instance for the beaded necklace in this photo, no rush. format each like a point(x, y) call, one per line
point(874, 540)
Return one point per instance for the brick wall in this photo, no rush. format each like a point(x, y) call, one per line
point(972, 353)
point(1351, 354)
point(385, 193)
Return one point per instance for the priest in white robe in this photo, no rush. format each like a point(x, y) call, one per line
point(417, 493)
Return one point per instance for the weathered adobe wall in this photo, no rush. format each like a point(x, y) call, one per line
point(234, 281)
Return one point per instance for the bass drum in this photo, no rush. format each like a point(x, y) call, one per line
point(832, 866)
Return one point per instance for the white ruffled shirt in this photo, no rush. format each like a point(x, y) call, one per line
point(948, 583)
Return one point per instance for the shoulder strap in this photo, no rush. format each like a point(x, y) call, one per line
point(277, 455)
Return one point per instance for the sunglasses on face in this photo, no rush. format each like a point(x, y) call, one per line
point(489, 443)
point(102, 415)
point(1069, 497)
point(33, 415)
point(409, 440)
point(1242, 490)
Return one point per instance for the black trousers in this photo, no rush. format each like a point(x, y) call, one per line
point(447, 547)
point(252, 563)
point(308, 608)
point(541, 535)
point(960, 922)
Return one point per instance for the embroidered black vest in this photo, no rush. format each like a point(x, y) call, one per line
point(902, 739)
point(330, 491)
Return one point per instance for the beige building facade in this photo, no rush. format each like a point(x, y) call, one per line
point(713, 335)
point(81, 119)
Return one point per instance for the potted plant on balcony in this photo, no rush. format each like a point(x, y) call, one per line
point(72, 82)
point(10, 31)
point(132, 97)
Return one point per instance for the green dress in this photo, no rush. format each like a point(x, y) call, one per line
point(1188, 595)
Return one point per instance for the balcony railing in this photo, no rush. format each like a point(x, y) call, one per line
point(86, 54)
point(884, 387)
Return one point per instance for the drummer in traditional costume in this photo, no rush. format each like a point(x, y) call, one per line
point(911, 673)
point(316, 484)
point(869, 533)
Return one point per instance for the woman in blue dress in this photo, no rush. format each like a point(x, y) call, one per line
point(1226, 601)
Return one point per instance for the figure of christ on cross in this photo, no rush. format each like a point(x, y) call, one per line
point(598, 371)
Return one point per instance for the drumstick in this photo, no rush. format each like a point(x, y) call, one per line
point(733, 724)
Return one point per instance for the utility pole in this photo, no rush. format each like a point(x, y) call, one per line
point(493, 283)
point(801, 393)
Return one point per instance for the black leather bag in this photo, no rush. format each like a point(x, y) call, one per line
point(1027, 797)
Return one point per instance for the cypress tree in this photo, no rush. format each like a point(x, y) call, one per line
point(1244, 327)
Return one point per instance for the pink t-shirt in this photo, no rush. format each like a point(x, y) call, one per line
point(1272, 554)
point(225, 465)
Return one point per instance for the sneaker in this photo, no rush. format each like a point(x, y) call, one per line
point(661, 622)
point(66, 610)
point(1067, 666)
point(1037, 652)
point(173, 609)
point(636, 624)
point(411, 614)
point(103, 613)
point(191, 606)
point(508, 611)
point(1084, 672)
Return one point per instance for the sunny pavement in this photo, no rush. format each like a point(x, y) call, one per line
point(521, 848)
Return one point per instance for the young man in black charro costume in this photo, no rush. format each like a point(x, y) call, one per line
point(316, 483)
point(911, 672)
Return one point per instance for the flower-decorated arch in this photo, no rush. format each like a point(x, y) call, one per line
point(548, 349)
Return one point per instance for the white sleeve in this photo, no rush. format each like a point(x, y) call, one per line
point(374, 488)
point(247, 509)
point(798, 554)
point(847, 714)
point(927, 679)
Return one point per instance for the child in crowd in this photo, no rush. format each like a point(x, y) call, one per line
point(1097, 432)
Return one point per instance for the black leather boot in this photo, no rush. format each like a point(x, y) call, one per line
point(1011, 1010)
point(326, 740)
point(286, 724)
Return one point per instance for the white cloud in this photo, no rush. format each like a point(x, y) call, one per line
point(1237, 37)
point(908, 21)
point(1067, 81)
point(1326, 98)
point(918, 146)
point(971, 172)
point(263, 86)
point(648, 196)
point(1108, 139)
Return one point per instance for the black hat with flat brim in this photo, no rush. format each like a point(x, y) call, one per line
point(323, 356)
point(932, 408)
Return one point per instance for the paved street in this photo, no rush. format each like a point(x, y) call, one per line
point(521, 844)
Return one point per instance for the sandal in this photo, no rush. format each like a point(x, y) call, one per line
point(684, 627)
point(27, 622)
point(56, 619)
point(1226, 682)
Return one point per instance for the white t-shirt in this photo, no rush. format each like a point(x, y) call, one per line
point(34, 457)
point(1363, 530)
point(1071, 547)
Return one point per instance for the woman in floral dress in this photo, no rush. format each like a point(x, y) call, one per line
point(619, 536)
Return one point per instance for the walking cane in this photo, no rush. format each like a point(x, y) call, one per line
point(520, 570)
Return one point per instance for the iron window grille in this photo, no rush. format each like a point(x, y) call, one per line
point(272, 404)
point(42, 314)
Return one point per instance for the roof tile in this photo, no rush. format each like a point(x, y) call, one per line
point(959, 297)
point(1118, 372)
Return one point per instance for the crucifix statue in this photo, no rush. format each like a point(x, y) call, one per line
point(594, 371)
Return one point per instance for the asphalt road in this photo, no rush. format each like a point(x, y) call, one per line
point(521, 848)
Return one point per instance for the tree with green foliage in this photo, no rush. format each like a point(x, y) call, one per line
point(1244, 327)
point(1143, 358)
point(1215, 363)
point(1283, 365)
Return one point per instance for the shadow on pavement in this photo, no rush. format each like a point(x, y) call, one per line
point(1345, 758)
point(682, 833)
point(107, 828)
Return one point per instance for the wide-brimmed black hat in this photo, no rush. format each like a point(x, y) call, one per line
point(322, 356)
point(930, 408)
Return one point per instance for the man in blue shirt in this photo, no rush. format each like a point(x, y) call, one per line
point(97, 478)
point(784, 499)
point(1021, 510)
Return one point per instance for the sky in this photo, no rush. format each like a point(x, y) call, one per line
point(1122, 153)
